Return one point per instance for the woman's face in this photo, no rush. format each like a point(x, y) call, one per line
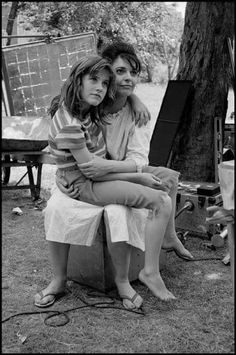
point(94, 87)
point(126, 77)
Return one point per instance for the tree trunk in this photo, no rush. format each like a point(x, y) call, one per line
point(204, 59)
point(11, 19)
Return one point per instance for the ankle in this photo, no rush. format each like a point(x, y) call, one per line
point(149, 272)
point(59, 281)
point(169, 237)
point(121, 280)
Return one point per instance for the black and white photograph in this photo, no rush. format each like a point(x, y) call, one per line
point(118, 150)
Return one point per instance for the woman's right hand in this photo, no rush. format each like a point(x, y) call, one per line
point(95, 168)
point(69, 191)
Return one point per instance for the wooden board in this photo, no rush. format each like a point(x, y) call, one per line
point(24, 133)
point(34, 72)
point(172, 108)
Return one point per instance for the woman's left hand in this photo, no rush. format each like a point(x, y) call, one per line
point(141, 114)
point(94, 168)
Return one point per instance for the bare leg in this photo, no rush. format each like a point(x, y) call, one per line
point(120, 253)
point(150, 274)
point(59, 258)
point(136, 195)
point(171, 239)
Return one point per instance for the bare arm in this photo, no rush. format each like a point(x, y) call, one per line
point(138, 146)
point(94, 167)
point(131, 177)
point(136, 156)
point(98, 167)
point(145, 179)
point(83, 156)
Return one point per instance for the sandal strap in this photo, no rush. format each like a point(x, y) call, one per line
point(131, 299)
point(40, 293)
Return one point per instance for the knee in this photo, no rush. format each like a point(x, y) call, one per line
point(167, 204)
point(173, 182)
point(172, 176)
point(164, 203)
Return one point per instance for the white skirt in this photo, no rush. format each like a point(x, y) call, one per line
point(70, 221)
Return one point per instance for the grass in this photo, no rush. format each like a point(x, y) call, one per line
point(201, 320)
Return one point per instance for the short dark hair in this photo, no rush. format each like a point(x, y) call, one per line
point(125, 51)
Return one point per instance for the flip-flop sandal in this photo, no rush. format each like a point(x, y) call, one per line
point(137, 304)
point(56, 296)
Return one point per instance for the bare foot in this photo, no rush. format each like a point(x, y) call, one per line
point(155, 284)
point(174, 243)
point(126, 290)
point(55, 287)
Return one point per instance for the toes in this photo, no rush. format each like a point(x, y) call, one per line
point(135, 303)
point(187, 253)
point(171, 296)
point(128, 304)
point(41, 299)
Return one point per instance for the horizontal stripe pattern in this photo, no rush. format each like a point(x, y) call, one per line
point(67, 132)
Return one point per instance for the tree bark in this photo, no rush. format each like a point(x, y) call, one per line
point(11, 19)
point(204, 59)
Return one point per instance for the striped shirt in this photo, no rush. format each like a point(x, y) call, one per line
point(67, 132)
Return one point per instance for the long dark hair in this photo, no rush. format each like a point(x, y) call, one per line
point(69, 91)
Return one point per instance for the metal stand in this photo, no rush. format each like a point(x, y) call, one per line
point(29, 160)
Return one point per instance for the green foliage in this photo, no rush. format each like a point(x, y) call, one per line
point(153, 28)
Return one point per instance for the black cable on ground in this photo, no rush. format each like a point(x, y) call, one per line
point(200, 259)
point(54, 313)
point(104, 305)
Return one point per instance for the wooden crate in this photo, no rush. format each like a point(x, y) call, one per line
point(92, 266)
